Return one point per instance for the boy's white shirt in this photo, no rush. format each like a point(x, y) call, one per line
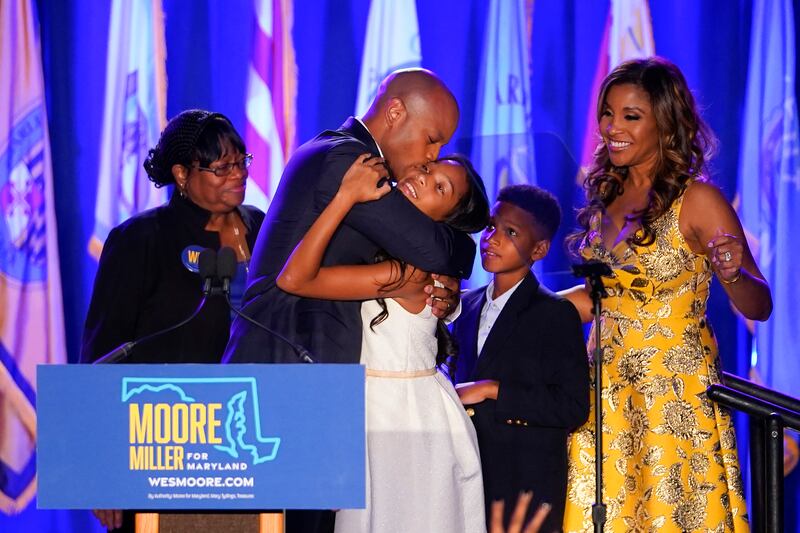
point(491, 310)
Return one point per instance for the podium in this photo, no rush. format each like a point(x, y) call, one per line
point(233, 438)
point(241, 523)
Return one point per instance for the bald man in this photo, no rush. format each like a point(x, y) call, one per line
point(412, 117)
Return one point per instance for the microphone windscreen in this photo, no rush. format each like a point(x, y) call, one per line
point(226, 263)
point(207, 263)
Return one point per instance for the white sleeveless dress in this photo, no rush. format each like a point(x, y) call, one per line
point(423, 465)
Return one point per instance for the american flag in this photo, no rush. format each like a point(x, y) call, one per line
point(628, 35)
point(271, 92)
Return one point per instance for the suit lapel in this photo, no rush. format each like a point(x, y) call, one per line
point(468, 323)
point(505, 323)
point(356, 129)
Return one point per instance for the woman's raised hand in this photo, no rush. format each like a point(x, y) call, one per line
point(365, 180)
point(725, 251)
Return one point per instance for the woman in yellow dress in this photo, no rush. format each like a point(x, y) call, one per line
point(669, 453)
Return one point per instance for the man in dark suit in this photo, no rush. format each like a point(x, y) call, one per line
point(522, 370)
point(412, 117)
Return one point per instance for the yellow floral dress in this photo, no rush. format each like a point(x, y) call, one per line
point(669, 453)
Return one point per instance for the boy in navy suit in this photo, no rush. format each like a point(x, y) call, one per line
point(522, 369)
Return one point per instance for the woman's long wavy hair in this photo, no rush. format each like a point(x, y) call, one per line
point(470, 215)
point(685, 145)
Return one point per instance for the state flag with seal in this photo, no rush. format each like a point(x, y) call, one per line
point(31, 315)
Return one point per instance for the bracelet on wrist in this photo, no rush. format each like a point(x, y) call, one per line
point(732, 281)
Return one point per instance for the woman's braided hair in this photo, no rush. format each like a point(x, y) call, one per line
point(192, 135)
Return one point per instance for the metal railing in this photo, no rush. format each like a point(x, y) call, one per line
point(770, 413)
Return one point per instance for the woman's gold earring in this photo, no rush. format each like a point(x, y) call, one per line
point(182, 190)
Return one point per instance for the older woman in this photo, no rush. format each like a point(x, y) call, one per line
point(147, 278)
point(669, 452)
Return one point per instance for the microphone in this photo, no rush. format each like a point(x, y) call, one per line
point(226, 269)
point(593, 271)
point(207, 263)
point(591, 268)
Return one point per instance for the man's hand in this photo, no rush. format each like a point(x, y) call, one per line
point(443, 295)
point(477, 391)
point(110, 518)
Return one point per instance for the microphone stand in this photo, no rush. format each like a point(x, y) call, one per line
point(226, 269)
point(594, 271)
point(207, 264)
point(302, 354)
point(123, 351)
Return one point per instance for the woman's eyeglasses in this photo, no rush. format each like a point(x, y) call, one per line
point(225, 170)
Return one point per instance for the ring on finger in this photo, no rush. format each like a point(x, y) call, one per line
point(726, 256)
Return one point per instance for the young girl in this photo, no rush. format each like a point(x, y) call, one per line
point(423, 467)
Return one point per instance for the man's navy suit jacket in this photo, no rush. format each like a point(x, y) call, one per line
point(331, 330)
point(536, 351)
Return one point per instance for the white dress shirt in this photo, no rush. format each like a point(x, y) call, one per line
point(491, 310)
point(380, 152)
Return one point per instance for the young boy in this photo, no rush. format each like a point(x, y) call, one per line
point(522, 369)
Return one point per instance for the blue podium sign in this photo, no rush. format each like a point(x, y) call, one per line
point(200, 436)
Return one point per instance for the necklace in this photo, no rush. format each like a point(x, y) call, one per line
point(242, 249)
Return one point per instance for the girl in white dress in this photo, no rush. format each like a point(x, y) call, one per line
point(423, 466)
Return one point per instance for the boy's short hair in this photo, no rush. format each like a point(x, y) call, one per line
point(540, 203)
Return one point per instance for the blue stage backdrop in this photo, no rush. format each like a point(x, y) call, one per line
point(208, 47)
